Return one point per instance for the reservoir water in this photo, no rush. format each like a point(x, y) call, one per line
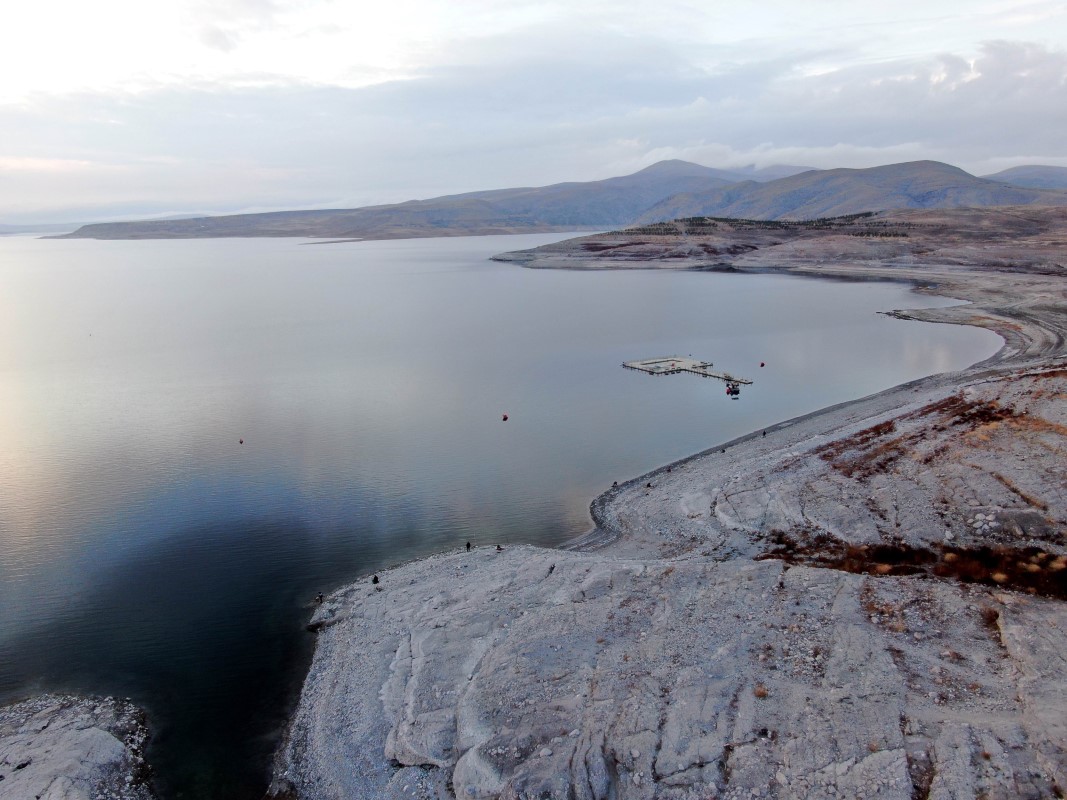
point(198, 436)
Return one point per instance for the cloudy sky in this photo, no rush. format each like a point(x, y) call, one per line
point(120, 108)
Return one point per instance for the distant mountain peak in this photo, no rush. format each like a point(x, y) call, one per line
point(1032, 176)
point(674, 166)
point(925, 167)
point(833, 192)
point(928, 165)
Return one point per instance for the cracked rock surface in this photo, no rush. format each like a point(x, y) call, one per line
point(534, 673)
point(868, 602)
point(56, 747)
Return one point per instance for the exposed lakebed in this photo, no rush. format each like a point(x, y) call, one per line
point(147, 551)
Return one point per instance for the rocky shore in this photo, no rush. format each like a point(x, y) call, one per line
point(863, 603)
point(58, 747)
point(866, 602)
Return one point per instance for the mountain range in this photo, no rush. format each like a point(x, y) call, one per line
point(835, 192)
point(666, 190)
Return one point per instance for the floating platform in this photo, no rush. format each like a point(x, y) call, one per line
point(672, 365)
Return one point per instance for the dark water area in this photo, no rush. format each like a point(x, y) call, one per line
point(145, 551)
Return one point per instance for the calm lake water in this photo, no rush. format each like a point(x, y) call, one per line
point(145, 552)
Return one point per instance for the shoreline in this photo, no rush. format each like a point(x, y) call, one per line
point(866, 601)
point(757, 650)
point(589, 539)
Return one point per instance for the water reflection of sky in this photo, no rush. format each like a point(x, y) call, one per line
point(144, 550)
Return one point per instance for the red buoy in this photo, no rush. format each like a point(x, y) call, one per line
point(762, 364)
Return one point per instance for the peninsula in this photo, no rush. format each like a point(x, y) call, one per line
point(865, 602)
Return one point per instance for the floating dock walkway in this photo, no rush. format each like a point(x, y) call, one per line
point(672, 365)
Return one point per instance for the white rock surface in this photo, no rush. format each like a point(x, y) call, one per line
point(692, 666)
point(752, 674)
point(55, 747)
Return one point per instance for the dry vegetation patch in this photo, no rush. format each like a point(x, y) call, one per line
point(1028, 569)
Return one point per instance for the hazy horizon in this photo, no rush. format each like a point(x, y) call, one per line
point(51, 227)
point(121, 110)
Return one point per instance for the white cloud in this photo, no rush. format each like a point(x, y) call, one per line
point(42, 165)
point(233, 104)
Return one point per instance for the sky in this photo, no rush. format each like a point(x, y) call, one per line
point(120, 109)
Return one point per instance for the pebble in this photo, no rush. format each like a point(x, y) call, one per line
point(545, 752)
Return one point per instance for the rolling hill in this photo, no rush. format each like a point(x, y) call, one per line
point(562, 206)
point(666, 190)
point(834, 192)
point(1034, 176)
